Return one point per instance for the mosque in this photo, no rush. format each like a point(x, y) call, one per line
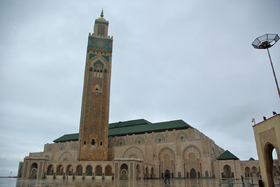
point(128, 150)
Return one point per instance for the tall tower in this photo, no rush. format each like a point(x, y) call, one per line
point(93, 134)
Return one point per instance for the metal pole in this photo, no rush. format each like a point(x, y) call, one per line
point(273, 73)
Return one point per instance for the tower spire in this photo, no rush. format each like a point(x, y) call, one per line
point(101, 15)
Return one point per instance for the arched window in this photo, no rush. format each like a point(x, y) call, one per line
point(124, 166)
point(206, 174)
point(50, 170)
point(227, 172)
point(182, 138)
point(108, 171)
point(98, 69)
point(69, 170)
point(89, 171)
point(98, 171)
point(247, 172)
point(59, 170)
point(79, 170)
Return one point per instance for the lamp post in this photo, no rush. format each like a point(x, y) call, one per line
point(264, 42)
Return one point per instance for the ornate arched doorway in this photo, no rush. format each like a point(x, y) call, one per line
point(192, 161)
point(33, 171)
point(247, 172)
point(167, 162)
point(167, 173)
point(227, 172)
point(124, 171)
point(50, 171)
point(69, 170)
point(108, 172)
point(193, 174)
point(98, 172)
point(88, 171)
point(59, 171)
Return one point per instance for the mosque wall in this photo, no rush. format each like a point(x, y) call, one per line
point(178, 151)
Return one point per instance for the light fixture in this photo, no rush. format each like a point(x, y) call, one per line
point(264, 42)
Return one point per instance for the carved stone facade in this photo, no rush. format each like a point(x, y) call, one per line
point(93, 135)
point(176, 153)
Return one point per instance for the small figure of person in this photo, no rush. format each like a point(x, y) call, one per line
point(242, 179)
point(164, 180)
point(169, 180)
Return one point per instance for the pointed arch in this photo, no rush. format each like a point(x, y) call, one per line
point(69, 169)
point(192, 160)
point(133, 151)
point(59, 170)
point(79, 170)
point(89, 170)
point(98, 170)
point(121, 142)
point(98, 62)
point(268, 158)
point(139, 140)
point(167, 161)
point(191, 149)
point(50, 169)
point(227, 172)
point(182, 136)
point(33, 170)
point(159, 138)
point(167, 151)
point(66, 156)
point(108, 170)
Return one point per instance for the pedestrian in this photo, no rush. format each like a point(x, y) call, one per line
point(164, 180)
point(169, 179)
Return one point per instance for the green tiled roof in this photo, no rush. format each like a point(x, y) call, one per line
point(141, 126)
point(251, 159)
point(138, 126)
point(129, 123)
point(227, 156)
point(67, 137)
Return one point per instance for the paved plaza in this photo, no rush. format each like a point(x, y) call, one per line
point(133, 183)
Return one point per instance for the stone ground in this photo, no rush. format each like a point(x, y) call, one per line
point(9, 182)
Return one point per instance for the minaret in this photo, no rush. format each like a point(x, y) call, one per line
point(93, 134)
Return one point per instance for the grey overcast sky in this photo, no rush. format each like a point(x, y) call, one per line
point(190, 60)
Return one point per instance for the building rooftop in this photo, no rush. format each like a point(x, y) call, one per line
point(227, 155)
point(139, 126)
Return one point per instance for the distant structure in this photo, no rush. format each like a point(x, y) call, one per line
point(136, 149)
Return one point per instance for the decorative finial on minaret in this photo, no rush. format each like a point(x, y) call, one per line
point(101, 15)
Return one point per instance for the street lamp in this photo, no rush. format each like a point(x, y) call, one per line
point(264, 42)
